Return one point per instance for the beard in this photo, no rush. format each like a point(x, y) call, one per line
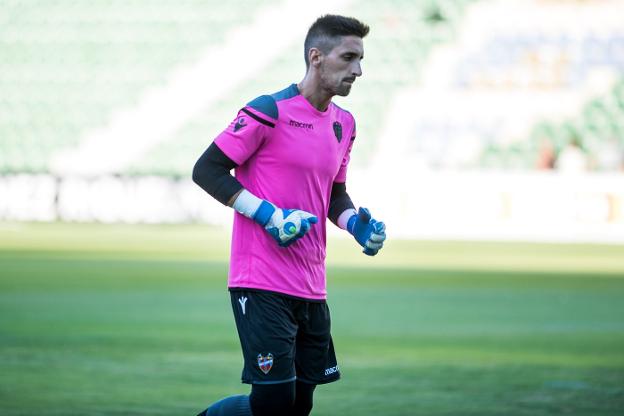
point(335, 87)
point(343, 89)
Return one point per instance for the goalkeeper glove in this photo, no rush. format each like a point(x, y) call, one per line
point(368, 232)
point(285, 225)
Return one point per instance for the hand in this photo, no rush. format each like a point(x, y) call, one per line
point(287, 225)
point(368, 232)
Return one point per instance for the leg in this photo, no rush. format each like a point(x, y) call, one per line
point(266, 400)
point(230, 406)
point(315, 356)
point(267, 334)
point(273, 399)
point(303, 398)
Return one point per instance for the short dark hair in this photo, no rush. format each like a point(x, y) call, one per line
point(326, 31)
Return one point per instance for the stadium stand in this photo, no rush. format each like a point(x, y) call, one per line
point(452, 90)
point(403, 33)
point(66, 65)
point(600, 121)
point(513, 82)
point(598, 125)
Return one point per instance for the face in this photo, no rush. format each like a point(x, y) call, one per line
point(341, 66)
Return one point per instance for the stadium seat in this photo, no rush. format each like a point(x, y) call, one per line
point(67, 66)
point(398, 44)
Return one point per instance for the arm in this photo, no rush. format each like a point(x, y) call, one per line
point(340, 205)
point(212, 174)
point(368, 232)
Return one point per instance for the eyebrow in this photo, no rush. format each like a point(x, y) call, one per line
point(352, 53)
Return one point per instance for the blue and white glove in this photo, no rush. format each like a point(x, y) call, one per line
point(367, 231)
point(285, 225)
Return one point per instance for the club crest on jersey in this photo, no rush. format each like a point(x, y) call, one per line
point(265, 362)
point(240, 123)
point(338, 131)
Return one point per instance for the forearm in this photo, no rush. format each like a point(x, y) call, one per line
point(285, 225)
point(340, 205)
point(212, 174)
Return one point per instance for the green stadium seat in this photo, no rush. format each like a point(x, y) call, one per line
point(399, 42)
point(67, 66)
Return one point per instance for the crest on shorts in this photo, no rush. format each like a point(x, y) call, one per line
point(265, 362)
point(338, 130)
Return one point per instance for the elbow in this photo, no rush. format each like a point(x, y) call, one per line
point(202, 176)
point(198, 174)
point(212, 173)
point(206, 176)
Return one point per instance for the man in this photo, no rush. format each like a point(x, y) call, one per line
point(290, 152)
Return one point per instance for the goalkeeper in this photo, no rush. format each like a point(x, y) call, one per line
point(290, 151)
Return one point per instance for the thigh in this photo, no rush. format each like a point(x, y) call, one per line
point(267, 333)
point(315, 356)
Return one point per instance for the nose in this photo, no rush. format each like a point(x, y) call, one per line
point(357, 69)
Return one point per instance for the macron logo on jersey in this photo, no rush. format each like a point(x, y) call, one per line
point(301, 125)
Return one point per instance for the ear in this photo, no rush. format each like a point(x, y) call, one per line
point(315, 56)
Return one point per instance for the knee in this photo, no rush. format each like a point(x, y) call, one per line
point(272, 399)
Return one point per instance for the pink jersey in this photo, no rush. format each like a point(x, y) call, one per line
point(290, 154)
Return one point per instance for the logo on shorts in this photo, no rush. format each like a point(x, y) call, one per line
point(338, 131)
point(331, 370)
point(265, 363)
point(240, 123)
point(242, 300)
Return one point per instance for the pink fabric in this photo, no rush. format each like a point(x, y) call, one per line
point(293, 165)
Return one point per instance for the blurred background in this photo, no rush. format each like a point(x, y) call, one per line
point(490, 140)
point(478, 119)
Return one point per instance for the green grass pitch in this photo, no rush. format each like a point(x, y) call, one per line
point(135, 320)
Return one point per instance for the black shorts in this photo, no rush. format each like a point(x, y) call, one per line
point(284, 338)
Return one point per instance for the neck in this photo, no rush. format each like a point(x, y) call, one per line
point(311, 90)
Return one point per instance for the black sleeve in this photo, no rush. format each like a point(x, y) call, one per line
point(338, 202)
point(212, 174)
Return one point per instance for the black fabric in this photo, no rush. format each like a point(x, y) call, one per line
point(303, 398)
point(339, 201)
point(272, 399)
point(288, 399)
point(212, 174)
point(230, 406)
point(235, 289)
point(283, 339)
point(257, 118)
